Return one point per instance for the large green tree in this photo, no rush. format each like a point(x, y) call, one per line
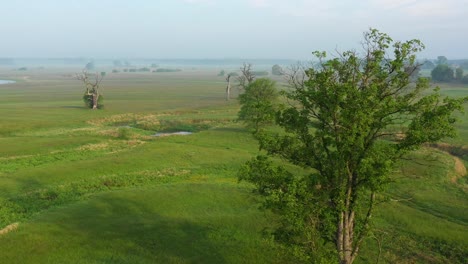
point(347, 125)
point(442, 60)
point(459, 74)
point(442, 73)
point(258, 103)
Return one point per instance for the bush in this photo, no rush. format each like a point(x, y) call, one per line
point(124, 133)
point(177, 126)
point(88, 100)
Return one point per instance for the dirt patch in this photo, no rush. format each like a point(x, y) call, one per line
point(9, 228)
point(458, 151)
point(127, 119)
point(460, 170)
point(178, 133)
point(15, 157)
point(91, 147)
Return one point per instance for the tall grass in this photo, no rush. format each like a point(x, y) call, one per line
point(97, 187)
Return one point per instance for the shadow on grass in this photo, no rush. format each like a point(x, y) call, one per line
point(231, 129)
point(21, 184)
point(129, 230)
point(74, 107)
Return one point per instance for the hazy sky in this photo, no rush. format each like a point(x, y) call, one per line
point(222, 28)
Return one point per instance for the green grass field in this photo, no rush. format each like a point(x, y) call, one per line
point(97, 187)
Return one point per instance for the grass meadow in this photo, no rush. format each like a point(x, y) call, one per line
point(83, 186)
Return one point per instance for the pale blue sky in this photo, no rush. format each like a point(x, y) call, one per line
point(222, 28)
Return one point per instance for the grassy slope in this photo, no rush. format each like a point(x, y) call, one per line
point(86, 193)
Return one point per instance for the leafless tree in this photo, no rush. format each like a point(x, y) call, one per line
point(295, 75)
point(228, 87)
point(92, 86)
point(246, 76)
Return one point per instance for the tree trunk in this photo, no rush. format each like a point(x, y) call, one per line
point(347, 249)
point(347, 242)
point(95, 100)
point(228, 88)
point(345, 236)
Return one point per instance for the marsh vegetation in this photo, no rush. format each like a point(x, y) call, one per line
point(83, 186)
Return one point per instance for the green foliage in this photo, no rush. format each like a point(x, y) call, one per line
point(88, 101)
point(221, 73)
point(124, 133)
point(146, 200)
point(258, 103)
point(289, 196)
point(340, 125)
point(442, 60)
point(442, 73)
point(277, 70)
point(176, 126)
point(459, 74)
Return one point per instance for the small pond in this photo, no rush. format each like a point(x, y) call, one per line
point(178, 133)
point(6, 81)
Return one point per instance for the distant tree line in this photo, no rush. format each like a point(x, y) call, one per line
point(445, 72)
point(145, 69)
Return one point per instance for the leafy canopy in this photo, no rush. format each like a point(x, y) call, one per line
point(442, 73)
point(346, 125)
point(258, 103)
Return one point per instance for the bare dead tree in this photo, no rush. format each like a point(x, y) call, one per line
point(228, 87)
point(92, 86)
point(295, 76)
point(246, 76)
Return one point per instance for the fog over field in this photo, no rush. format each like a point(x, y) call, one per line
point(221, 29)
point(233, 131)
